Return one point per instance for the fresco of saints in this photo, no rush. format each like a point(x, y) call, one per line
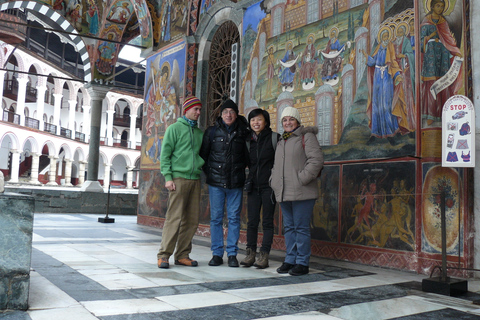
point(406, 61)
point(439, 52)
point(332, 58)
point(308, 65)
point(287, 68)
point(385, 95)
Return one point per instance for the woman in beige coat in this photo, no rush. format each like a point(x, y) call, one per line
point(298, 161)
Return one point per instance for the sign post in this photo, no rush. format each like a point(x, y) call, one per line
point(458, 150)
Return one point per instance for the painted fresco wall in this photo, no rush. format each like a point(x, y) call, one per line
point(373, 77)
point(164, 91)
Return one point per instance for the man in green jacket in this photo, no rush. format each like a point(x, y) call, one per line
point(181, 166)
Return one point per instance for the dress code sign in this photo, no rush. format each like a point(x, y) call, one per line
point(458, 132)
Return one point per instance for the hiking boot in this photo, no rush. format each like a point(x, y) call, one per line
point(285, 267)
point(262, 262)
point(163, 263)
point(186, 262)
point(249, 260)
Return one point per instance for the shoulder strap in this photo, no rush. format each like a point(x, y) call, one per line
point(274, 140)
point(303, 141)
point(247, 142)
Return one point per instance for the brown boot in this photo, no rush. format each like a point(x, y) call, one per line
point(262, 262)
point(249, 259)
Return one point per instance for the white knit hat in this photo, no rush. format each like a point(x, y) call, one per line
point(291, 112)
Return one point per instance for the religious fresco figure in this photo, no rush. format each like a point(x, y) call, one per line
point(166, 21)
point(385, 95)
point(92, 17)
point(332, 64)
point(270, 70)
point(308, 65)
point(406, 61)
point(107, 51)
point(288, 68)
point(439, 51)
point(120, 13)
point(75, 17)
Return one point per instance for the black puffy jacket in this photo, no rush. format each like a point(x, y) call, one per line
point(225, 154)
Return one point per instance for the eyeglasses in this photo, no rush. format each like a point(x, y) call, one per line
point(225, 112)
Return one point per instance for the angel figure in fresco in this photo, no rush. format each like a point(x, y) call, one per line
point(441, 57)
point(308, 65)
point(386, 104)
point(406, 61)
point(287, 68)
point(332, 57)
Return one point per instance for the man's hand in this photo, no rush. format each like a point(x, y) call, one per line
point(170, 185)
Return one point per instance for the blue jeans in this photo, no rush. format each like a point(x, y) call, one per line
point(233, 197)
point(296, 223)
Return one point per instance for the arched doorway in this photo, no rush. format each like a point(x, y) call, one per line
point(219, 67)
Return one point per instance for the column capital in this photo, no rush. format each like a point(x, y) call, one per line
point(130, 168)
point(22, 81)
point(110, 111)
point(97, 91)
point(53, 157)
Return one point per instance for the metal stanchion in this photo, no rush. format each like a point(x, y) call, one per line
point(107, 219)
point(444, 284)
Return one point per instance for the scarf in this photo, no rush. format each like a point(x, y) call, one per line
point(192, 123)
point(287, 135)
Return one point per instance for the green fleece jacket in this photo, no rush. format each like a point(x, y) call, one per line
point(180, 151)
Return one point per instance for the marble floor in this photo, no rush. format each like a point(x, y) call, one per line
point(85, 270)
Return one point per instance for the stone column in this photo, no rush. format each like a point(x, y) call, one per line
point(72, 104)
point(86, 122)
point(68, 173)
point(56, 110)
point(97, 94)
point(35, 167)
point(81, 172)
point(130, 177)
point(52, 173)
point(133, 138)
point(15, 165)
point(41, 106)
point(22, 90)
point(110, 114)
point(106, 179)
point(2, 78)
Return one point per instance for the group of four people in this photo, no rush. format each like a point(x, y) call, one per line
point(282, 169)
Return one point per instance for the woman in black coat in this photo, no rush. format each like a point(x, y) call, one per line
point(262, 144)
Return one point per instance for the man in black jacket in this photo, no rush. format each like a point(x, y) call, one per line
point(225, 153)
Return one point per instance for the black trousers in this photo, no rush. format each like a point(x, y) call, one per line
point(260, 201)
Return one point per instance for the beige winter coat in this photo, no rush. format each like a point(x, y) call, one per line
point(297, 166)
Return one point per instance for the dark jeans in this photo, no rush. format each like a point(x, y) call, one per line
point(255, 201)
